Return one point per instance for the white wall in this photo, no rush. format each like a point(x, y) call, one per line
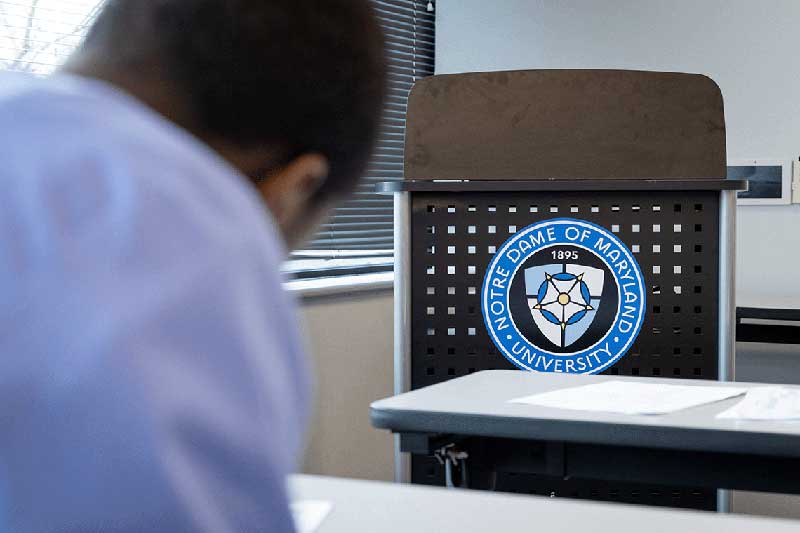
point(351, 346)
point(749, 47)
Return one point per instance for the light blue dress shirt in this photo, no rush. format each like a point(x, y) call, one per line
point(151, 374)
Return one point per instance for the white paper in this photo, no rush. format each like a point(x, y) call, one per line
point(309, 514)
point(631, 398)
point(766, 403)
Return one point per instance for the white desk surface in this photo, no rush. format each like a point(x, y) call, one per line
point(478, 405)
point(367, 506)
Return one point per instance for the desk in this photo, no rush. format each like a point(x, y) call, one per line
point(772, 320)
point(371, 506)
point(687, 448)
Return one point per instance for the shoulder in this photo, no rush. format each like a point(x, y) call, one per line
point(128, 226)
point(82, 157)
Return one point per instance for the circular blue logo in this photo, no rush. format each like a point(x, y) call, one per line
point(563, 295)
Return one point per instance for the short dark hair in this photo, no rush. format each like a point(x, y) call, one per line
point(306, 75)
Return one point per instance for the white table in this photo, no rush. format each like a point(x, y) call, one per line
point(685, 448)
point(365, 506)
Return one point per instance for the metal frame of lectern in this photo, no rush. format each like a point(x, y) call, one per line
point(639, 153)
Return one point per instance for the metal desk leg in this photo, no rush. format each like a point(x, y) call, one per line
point(727, 304)
point(727, 285)
point(402, 318)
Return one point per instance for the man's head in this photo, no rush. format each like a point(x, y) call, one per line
point(289, 91)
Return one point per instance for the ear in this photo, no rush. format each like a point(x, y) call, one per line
point(289, 191)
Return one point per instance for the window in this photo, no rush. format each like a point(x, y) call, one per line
point(36, 36)
point(358, 239)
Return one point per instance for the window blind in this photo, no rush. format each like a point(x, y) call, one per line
point(36, 36)
point(358, 238)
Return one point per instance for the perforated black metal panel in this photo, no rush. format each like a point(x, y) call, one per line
point(674, 236)
point(674, 239)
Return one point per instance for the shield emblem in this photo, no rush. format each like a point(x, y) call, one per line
point(563, 299)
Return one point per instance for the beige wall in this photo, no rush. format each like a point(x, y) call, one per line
point(351, 342)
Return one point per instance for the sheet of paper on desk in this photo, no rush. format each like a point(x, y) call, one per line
point(309, 514)
point(631, 398)
point(766, 403)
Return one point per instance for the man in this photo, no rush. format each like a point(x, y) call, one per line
point(152, 376)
